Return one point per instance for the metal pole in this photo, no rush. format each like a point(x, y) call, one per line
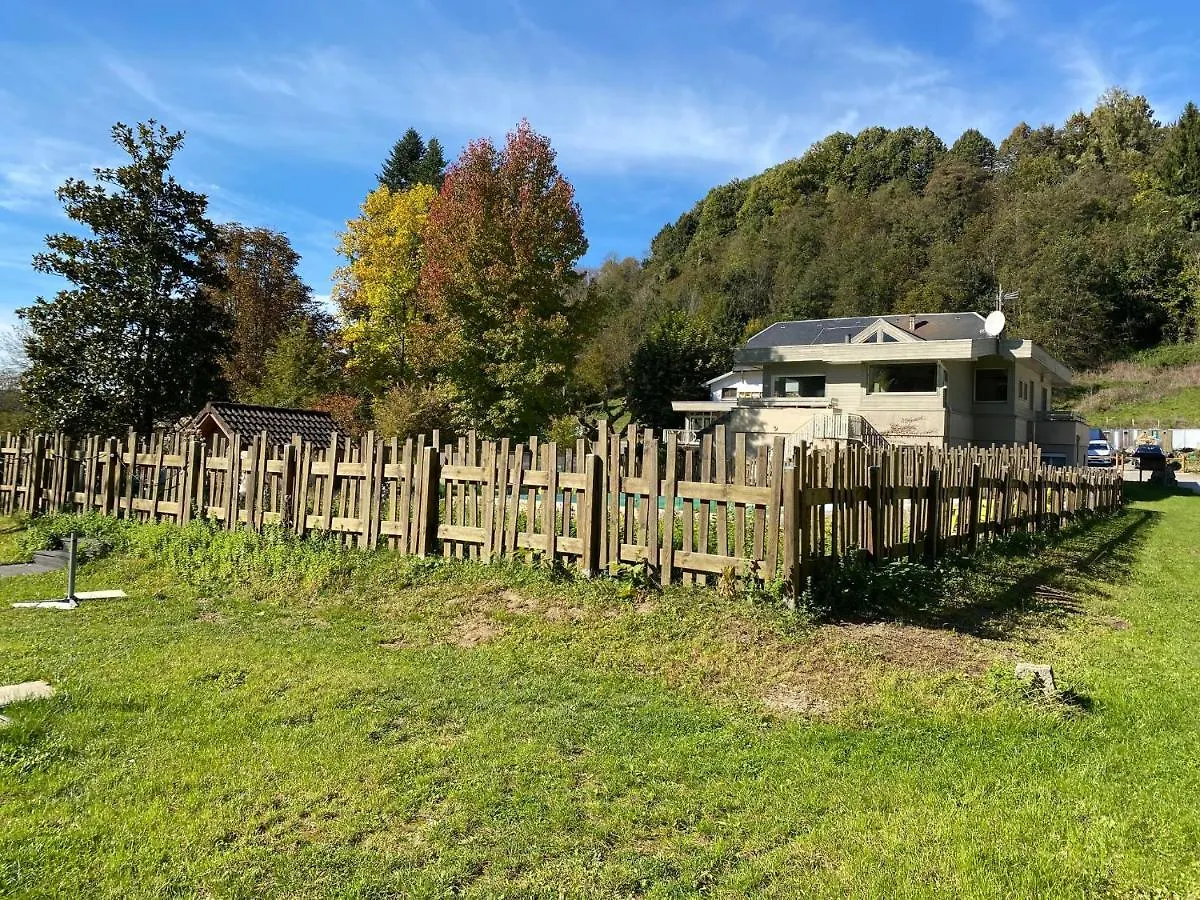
point(72, 546)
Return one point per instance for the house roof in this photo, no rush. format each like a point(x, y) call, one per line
point(927, 327)
point(738, 374)
point(280, 423)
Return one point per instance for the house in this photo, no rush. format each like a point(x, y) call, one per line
point(246, 420)
point(724, 393)
point(899, 379)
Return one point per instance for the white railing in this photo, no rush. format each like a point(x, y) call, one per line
point(838, 426)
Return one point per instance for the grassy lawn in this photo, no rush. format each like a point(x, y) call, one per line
point(264, 720)
point(1155, 387)
point(10, 533)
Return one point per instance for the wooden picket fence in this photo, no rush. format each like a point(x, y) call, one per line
point(625, 498)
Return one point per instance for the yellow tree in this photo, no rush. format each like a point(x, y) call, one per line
point(377, 288)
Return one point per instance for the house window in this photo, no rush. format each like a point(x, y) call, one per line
point(1045, 399)
point(800, 386)
point(991, 385)
point(729, 393)
point(913, 378)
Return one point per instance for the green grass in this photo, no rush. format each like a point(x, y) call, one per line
point(266, 717)
point(1180, 407)
point(11, 550)
point(1160, 386)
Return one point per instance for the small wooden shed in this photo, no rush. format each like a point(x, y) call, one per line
point(247, 420)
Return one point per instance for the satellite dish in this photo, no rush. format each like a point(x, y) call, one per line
point(993, 325)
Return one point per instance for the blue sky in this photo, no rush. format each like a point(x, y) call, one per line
point(290, 107)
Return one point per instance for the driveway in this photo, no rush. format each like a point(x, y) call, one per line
point(1187, 480)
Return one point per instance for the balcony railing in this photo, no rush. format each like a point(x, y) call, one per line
point(684, 437)
point(837, 426)
point(1060, 415)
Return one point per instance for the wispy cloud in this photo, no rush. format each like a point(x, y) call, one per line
point(286, 128)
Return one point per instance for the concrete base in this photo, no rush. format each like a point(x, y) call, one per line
point(100, 595)
point(64, 603)
point(26, 690)
point(46, 604)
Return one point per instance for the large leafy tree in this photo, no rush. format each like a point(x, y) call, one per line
point(300, 369)
point(1179, 165)
point(501, 245)
point(386, 326)
point(412, 162)
point(138, 338)
point(672, 362)
point(263, 295)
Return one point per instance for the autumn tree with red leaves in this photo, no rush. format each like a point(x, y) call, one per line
point(501, 243)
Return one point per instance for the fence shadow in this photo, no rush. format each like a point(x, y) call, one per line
point(1030, 580)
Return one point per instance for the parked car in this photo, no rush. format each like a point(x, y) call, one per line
point(1150, 457)
point(1099, 453)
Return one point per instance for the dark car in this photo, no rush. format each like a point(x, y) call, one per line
point(1150, 457)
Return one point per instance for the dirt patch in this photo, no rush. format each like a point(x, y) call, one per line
point(211, 616)
point(834, 667)
point(474, 632)
point(515, 602)
point(397, 643)
point(909, 647)
point(564, 614)
point(796, 701)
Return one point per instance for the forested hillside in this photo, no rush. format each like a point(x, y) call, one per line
point(1095, 222)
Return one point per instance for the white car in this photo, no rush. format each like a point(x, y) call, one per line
point(1099, 453)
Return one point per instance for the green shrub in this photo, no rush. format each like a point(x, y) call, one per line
point(51, 532)
point(852, 584)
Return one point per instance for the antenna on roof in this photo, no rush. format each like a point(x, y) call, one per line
point(1002, 295)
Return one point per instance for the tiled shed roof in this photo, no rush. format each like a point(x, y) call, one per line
point(280, 423)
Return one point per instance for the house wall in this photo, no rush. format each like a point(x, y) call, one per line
point(1068, 439)
point(744, 382)
point(951, 415)
point(762, 425)
point(902, 418)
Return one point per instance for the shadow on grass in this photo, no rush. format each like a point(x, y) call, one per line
point(1145, 492)
point(1021, 581)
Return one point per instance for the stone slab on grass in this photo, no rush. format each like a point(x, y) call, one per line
point(1039, 676)
point(26, 690)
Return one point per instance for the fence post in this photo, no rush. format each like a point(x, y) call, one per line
point(933, 523)
point(791, 532)
point(875, 507)
point(371, 497)
point(973, 507)
point(10, 500)
point(593, 516)
point(193, 478)
point(287, 486)
point(670, 479)
point(428, 502)
point(804, 469)
point(37, 463)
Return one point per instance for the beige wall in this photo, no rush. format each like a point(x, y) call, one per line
point(1067, 438)
point(762, 425)
point(950, 415)
point(901, 418)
